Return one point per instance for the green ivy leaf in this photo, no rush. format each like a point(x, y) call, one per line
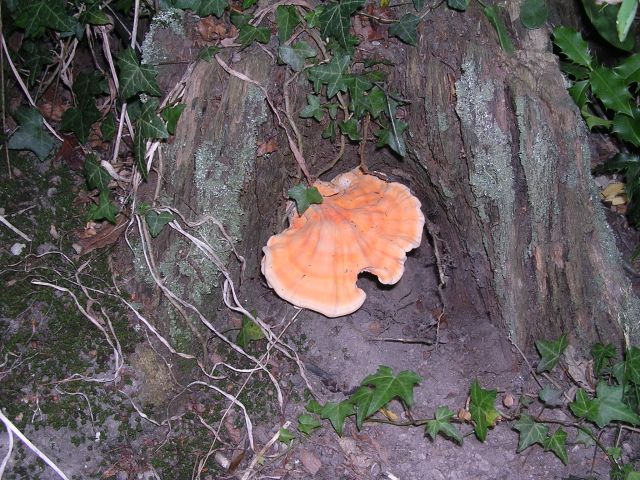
point(249, 332)
point(392, 137)
point(418, 4)
point(335, 20)
point(332, 74)
point(494, 15)
point(629, 69)
point(551, 397)
point(632, 365)
point(483, 411)
point(579, 92)
point(534, 13)
point(388, 386)
point(313, 406)
point(628, 127)
point(89, 85)
point(104, 210)
point(584, 438)
point(572, 46)
point(376, 102)
point(336, 414)
point(96, 176)
point(530, 432)
point(358, 85)
point(31, 134)
point(308, 423)
point(313, 17)
point(79, 119)
point(625, 18)
point(610, 407)
point(313, 109)
point(550, 352)
point(108, 127)
point(460, 5)
point(212, 7)
point(583, 406)
point(361, 400)
point(304, 197)
point(249, 34)
point(248, 4)
point(601, 355)
point(350, 129)
point(139, 151)
point(285, 436)
point(136, 77)
point(287, 20)
point(578, 72)
point(557, 443)
point(37, 15)
point(593, 120)
point(604, 18)
point(94, 15)
point(295, 55)
point(34, 57)
point(149, 124)
point(207, 53)
point(171, 115)
point(442, 424)
point(611, 88)
point(156, 221)
point(406, 29)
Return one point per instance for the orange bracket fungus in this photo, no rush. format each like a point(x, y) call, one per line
point(364, 224)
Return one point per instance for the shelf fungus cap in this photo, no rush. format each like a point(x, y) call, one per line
point(364, 224)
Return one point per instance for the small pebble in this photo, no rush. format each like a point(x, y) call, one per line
point(17, 248)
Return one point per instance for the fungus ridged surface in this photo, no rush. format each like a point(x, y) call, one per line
point(364, 224)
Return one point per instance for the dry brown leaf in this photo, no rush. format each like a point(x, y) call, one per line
point(71, 153)
point(375, 327)
point(234, 432)
point(310, 462)
point(99, 235)
point(464, 415)
point(389, 414)
point(210, 29)
point(508, 400)
point(269, 146)
point(579, 369)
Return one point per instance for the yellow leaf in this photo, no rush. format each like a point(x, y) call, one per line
point(384, 3)
point(612, 190)
point(389, 414)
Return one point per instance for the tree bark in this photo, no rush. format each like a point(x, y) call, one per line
point(498, 152)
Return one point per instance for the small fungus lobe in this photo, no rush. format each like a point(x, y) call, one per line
point(364, 224)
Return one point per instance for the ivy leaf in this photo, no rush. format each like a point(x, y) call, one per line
point(108, 127)
point(358, 86)
point(104, 210)
point(601, 355)
point(37, 15)
point(604, 18)
point(551, 397)
point(156, 221)
point(494, 15)
point(171, 115)
point(94, 15)
point(583, 406)
point(296, 55)
point(248, 34)
point(136, 77)
point(584, 438)
point(304, 197)
point(350, 129)
point(483, 410)
point(625, 18)
point(557, 443)
point(212, 7)
point(376, 101)
point(550, 352)
point(593, 120)
point(361, 399)
point(632, 365)
point(335, 20)
point(418, 4)
point(442, 424)
point(578, 72)
point(530, 432)
point(31, 134)
point(611, 88)
point(392, 137)
point(336, 414)
point(406, 29)
point(287, 20)
point(207, 53)
point(34, 57)
point(388, 386)
point(610, 407)
point(579, 92)
point(308, 423)
point(88, 85)
point(572, 45)
point(332, 74)
point(313, 108)
point(629, 69)
point(149, 124)
point(460, 5)
point(534, 13)
point(313, 406)
point(139, 152)
point(96, 176)
point(79, 119)
point(249, 332)
point(285, 436)
point(628, 127)
point(330, 130)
